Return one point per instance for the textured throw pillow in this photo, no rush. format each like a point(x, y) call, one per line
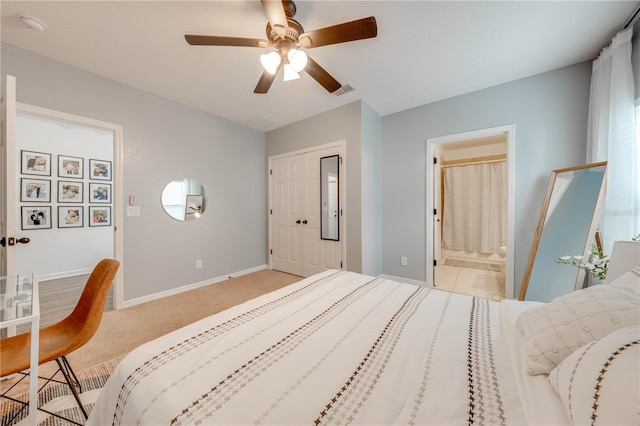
point(599, 384)
point(554, 330)
point(630, 280)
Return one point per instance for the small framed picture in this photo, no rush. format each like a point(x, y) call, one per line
point(70, 192)
point(99, 169)
point(193, 207)
point(35, 190)
point(35, 217)
point(70, 217)
point(23, 308)
point(36, 163)
point(99, 193)
point(99, 216)
point(70, 167)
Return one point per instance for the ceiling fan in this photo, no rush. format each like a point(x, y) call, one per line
point(287, 36)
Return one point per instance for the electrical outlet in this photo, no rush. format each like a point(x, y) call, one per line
point(403, 261)
point(199, 264)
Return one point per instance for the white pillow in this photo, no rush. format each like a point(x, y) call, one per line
point(554, 330)
point(629, 280)
point(599, 384)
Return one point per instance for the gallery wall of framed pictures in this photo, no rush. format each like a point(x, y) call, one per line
point(69, 201)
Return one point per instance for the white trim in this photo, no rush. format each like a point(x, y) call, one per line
point(9, 175)
point(336, 144)
point(510, 130)
point(117, 219)
point(404, 280)
point(341, 145)
point(188, 287)
point(65, 274)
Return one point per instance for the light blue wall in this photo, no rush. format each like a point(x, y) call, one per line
point(550, 115)
point(164, 140)
point(371, 221)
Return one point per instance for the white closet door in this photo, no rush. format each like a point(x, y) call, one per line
point(285, 234)
point(295, 234)
point(313, 259)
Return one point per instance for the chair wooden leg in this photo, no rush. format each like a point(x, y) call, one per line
point(72, 381)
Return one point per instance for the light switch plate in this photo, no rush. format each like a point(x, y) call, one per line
point(133, 211)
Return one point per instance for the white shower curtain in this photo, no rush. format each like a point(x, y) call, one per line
point(474, 207)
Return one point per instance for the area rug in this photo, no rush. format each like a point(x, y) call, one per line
point(484, 266)
point(57, 398)
point(489, 284)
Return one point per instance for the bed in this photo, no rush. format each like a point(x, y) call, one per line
point(345, 348)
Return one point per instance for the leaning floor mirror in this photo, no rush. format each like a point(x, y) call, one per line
point(566, 227)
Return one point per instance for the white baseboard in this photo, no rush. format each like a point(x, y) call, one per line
point(65, 274)
point(404, 280)
point(173, 292)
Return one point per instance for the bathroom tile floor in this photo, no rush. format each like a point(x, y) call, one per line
point(474, 282)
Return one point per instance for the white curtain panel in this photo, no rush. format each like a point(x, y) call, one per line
point(474, 207)
point(611, 137)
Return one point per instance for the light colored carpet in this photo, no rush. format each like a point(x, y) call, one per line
point(121, 331)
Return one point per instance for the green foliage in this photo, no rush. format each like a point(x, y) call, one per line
point(595, 265)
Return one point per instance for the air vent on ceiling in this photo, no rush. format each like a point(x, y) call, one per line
point(344, 89)
point(261, 122)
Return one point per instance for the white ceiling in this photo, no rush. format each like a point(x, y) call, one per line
point(425, 51)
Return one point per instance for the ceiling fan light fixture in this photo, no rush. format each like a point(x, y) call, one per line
point(270, 62)
point(297, 59)
point(290, 73)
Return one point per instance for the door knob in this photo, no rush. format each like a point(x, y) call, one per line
point(298, 221)
point(11, 241)
point(304, 221)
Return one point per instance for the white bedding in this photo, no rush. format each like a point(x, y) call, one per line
point(540, 402)
point(334, 348)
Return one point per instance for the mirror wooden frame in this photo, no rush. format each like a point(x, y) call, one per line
point(591, 235)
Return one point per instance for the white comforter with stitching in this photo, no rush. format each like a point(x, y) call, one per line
point(335, 348)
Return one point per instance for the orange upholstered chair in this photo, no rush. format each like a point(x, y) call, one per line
point(64, 337)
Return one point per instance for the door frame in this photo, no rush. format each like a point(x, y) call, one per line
point(117, 218)
point(433, 145)
point(342, 188)
point(8, 175)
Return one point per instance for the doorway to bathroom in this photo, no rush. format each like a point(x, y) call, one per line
point(472, 224)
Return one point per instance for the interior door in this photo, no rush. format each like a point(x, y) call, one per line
point(313, 253)
point(285, 211)
point(8, 175)
point(296, 217)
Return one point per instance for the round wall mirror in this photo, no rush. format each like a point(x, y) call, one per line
point(184, 199)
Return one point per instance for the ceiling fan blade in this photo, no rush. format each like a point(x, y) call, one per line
point(266, 80)
point(275, 15)
point(341, 33)
point(209, 40)
point(321, 76)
